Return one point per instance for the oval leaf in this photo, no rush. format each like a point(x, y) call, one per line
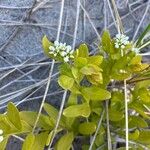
point(77, 110)
point(13, 115)
point(65, 142)
point(65, 82)
point(28, 143)
point(95, 93)
point(87, 128)
point(46, 44)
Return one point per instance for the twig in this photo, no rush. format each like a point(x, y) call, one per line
point(93, 26)
point(51, 70)
point(19, 138)
point(24, 18)
point(109, 145)
point(97, 129)
point(146, 11)
point(65, 93)
point(126, 114)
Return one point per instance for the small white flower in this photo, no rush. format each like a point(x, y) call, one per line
point(56, 43)
point(55, 54)
point(1, 131)
point(121, 41)
point(63, 53)
point(62, 46)
point(51, 48)
point(66, 59)
point(68, 48)
point(1, 138)
point(118, 36)
point(122, 46)
point(116, 45)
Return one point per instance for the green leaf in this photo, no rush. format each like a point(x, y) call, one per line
point(46, 44)
point(107, 43)
point(72, 99)
point(53, 113)
point(144, 137)
point(95, 60)
point(136, 60)
point(144, 95)
point(4, 143)
point(28, 143)
point(141, 37)
point(95, 79)
point(65, 69)
point(40, 141)
point(65, 142)
point(65, 82)
point(49, 138)
point(87, 128)
point(137, 121)
point(82, 51)
point(13, 115)
point(75, 72)
point(77, 110)
point(80, 62)
point(115, 115)
point(139, 108)
point(30, 118)
point(134, 135)
point(90, 69)
point(5, 124)
point(95, 93)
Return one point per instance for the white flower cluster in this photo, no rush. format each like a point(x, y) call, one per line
point(65, 51)
point(1, 136)
point(121, 41)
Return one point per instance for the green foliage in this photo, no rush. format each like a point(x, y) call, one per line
point(87, 128)
point(65, 142)
point(77, 110)
point(90, 81)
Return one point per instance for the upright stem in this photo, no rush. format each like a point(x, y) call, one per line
point(126, 115)
point(108, 129)
point(96, 132)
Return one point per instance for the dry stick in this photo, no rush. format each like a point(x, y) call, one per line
point(40, 4)
point(93, 26)
point(97, 130)
point(83, 22)
point(119, 23)
point(111, 11)
point(120, 29)
point(51, 70)
point(37, 97)
point(19, 138)
point(65, 93)
point(144, 15)
point(17, 28)
point(25, 74)
point(16, 68)
point(109, 145)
